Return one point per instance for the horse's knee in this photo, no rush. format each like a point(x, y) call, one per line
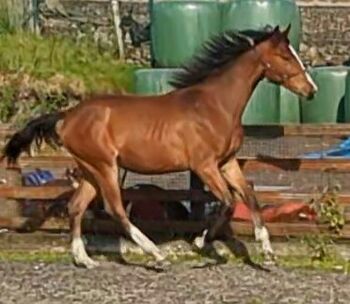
point(73, 209)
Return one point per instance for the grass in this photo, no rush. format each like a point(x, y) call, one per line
point(330, 264)
point(43, 74)
point(43, 58)
point(34, 256)
point(5, 24)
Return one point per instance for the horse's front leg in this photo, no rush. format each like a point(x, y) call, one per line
point(235, 178)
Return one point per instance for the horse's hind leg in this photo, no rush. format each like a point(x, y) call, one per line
point(76, 208)
point(106, 177)
point(237, 181)
point(212, 177)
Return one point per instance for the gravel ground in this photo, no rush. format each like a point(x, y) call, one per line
point(116, 283)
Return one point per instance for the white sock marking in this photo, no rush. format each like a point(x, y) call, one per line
point(79, 254)
point(145, 243)
point(261, 234)
point(199, 241)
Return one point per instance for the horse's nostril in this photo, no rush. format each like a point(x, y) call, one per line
point(311, 95)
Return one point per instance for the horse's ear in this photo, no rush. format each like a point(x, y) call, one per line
point(276, 36)
point(286, 31)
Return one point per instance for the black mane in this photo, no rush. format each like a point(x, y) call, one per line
point(216, 53)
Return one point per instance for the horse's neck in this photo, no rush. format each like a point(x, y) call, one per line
point(236, 84)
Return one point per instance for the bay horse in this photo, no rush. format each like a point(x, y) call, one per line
point(195, 127)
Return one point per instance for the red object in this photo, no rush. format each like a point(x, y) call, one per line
point(155, 211)
point(285, 212)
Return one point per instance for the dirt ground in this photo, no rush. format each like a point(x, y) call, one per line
point(61, 282)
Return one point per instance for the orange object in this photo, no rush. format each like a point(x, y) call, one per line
point(285, 212)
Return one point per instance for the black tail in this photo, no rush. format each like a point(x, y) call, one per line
point(38, 130)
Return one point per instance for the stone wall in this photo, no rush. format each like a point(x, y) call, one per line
point(326, 34)
point(326, 26)
point(94, 19)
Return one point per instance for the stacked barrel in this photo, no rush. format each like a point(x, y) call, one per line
point(178, 30)
point(180, 27)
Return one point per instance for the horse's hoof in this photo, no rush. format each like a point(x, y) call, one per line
point(199, 243)
point(270, 259)
point(87, 263)
point(159, 266)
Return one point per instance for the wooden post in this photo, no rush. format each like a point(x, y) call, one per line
point(118, 32)
point(11, 208)
point(32, 13)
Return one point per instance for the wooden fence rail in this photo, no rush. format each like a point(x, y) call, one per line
point(248, 164)
point(56, 192)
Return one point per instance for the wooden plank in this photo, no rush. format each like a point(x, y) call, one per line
point(247, 163)
point(57, 161)
point(112, 227)
point(295, 164)
point(39, 193)
point(319, 130)
point(289, 229)
point(59, 192)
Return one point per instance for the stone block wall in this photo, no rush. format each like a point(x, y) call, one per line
point(325, 39)
point(326, 34)
point(82, 18)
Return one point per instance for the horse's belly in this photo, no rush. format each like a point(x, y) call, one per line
point(153, 159)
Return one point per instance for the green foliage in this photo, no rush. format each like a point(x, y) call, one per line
point(7, 106)
point(319, 246)
point(5, 25)
point(328, 209)
point(40, 75)
point(44, 57)
point(34, 256)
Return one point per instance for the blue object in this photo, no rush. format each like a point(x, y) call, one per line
point(342, 150)
point(37, 177)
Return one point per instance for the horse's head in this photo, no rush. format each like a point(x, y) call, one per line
point(282, 64)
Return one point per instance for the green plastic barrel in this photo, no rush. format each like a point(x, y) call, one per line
point(256, 14)
point(328, 104)
point(153, 81)
point(179, 28)
point(347, 99)
point(269, 104)
point(264, 105)
point(289, 107)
